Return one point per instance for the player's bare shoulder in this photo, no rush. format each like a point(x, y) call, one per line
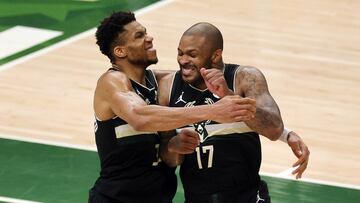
point(166, 79)
point(108, 85)
point(165, 85)
point(248, 73)
point(159, 74)
point(112, 80)
point(249, 79)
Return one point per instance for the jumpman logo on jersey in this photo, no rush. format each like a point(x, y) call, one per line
point(258, 198)
point(156, 95)
point(201, 130)
point(147, 101)
point(139, 93)
point(180, 99)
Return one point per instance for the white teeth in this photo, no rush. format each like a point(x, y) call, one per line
point(187, 71)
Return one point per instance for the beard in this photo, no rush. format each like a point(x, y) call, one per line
point(143, 62)
point(196, 79)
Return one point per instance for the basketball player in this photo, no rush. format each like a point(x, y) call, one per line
point(127, 117)
point(220, 163)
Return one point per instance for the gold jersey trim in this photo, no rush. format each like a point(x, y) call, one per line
point(127, 131)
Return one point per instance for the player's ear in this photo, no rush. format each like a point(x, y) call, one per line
point(216, 56)
point(120, 51)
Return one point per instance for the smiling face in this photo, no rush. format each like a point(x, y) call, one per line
point(138, 45)
point(194, 53)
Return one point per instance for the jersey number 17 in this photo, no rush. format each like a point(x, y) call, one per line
point(209, 150)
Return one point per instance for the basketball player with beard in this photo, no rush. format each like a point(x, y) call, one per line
point(222, 163)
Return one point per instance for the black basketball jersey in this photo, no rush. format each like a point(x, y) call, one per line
point(229, 155)
point(131, 170)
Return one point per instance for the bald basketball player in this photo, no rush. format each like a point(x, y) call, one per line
point(127, 117)
point(220, 163)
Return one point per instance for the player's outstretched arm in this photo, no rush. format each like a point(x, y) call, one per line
point(114, 97)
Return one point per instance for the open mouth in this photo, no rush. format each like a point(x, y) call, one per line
point(188, 70)
point(150, 48)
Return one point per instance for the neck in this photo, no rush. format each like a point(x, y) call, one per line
point(133, 72)
point(220, 66)
point(201, 86)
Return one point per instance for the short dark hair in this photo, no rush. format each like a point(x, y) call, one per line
point(210, 31)
point(109, 29)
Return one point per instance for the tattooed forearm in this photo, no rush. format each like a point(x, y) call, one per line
point(267, 119)
point(266, 122)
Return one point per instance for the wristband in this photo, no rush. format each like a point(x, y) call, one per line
point(284, 135)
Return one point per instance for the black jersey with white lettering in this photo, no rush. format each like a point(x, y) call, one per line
point(131, 170)
point(229, 155)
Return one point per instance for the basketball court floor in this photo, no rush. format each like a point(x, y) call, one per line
point(49, 65)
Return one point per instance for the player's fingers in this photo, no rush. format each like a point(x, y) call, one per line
point(300, 161)
point(296, 171)
point(243, 112)
point(247, 107)
point(192, 141)
point(219, 81)
point(188, 149)
point(246, 100)
point(212, 75)
point(189, 142)
point(190, 136)
point(295, 147)
point(190, 133)
point(242, 118)
point(191, 146)
point(184, 151)
point(304, 149)
point(304, 158)
point(300, 170)
point(203, 73)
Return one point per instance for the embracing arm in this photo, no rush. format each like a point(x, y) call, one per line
point(114, 97)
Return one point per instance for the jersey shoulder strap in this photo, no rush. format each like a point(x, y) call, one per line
point(176, 85)
point(229, 74)
point(150, 75)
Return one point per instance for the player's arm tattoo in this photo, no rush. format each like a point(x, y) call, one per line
point(267, 119)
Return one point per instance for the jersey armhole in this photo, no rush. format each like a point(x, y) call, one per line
point(173, 86)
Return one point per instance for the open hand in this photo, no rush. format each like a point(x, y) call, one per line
point(301, 151)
